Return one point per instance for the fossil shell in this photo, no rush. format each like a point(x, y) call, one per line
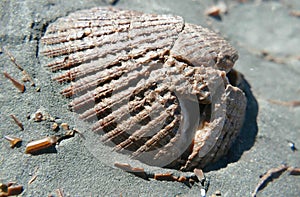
point(154, 86)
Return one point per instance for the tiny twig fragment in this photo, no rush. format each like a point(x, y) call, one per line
point(292, 145)
point(140, 172)
point(32, 179)
point(294, 171)
point(25, 74)
point(20, 86)
point(272, 58)
point(165, 177)
point(13, 59)
point(14, 141)
point(136, 171)
point(285, 103)
point(78, 132)
point(269, 176)
point(295, 13)
point(17, 121)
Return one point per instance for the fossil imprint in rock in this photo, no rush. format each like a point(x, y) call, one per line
point(154, 87)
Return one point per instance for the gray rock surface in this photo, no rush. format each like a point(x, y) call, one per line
point(258, 29)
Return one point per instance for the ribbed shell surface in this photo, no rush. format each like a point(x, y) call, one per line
point(150, 84)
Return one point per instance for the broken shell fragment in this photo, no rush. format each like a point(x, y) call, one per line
point(217, 10)
point(3, 188)
point(14, 141)
point(65, 126)
point(182, 179)
point(41, 144)
point(199, 173)
point(10, 190)
point(67, 135)
point(15, 190)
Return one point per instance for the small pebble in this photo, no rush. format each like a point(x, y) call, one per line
point(55, 127)
point(218, 193)
point(38, 117)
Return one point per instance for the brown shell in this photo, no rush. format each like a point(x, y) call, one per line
point(153, 86)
